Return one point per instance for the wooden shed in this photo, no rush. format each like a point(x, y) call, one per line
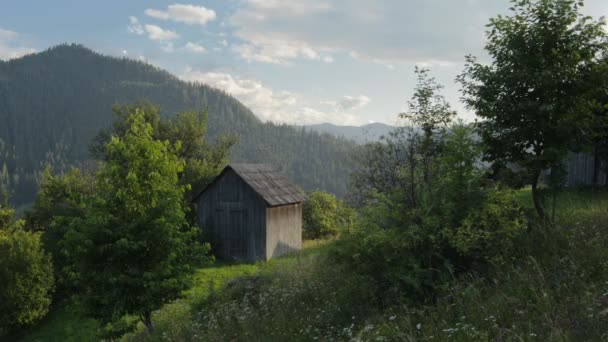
point(251, 212)
point(585, 169)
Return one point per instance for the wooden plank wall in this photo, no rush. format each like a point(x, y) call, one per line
point(228, 202)
point(584, 171)
point(283, 229)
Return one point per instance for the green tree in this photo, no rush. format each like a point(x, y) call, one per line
point(135, 249)
point(61, 200)
point(431, 113)
point(203, 160)
point(26, 275)
point(536, 98)
point(459, 186)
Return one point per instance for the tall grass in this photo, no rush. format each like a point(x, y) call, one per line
point(558, 292)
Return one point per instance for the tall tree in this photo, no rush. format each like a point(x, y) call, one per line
point(62, 199)
point(405, 158)
point(536, 99)
point(203, 160)
point(430, 112)
point(135, 248)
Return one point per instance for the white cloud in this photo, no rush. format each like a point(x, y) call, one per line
point(274, 48)
point(297, 7)
point(266, 103)
point(224, 42)
point(125, 52)
point(195, 47)
point(11, 52)
point(391, 32)
point(348, 103)
point(135, 26)
point(188, 14)
point(9, 48)
point(263, 101)
point(6, 35)
point(435, 63)
point(160, 34)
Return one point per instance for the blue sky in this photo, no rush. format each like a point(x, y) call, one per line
point(294, 61)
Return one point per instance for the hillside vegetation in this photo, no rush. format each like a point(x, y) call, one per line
point(53, 103)
point(452, 231)
point(557, 292)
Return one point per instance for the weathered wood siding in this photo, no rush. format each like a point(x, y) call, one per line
point(584, 169)
point(234, 218)
point(283, 229)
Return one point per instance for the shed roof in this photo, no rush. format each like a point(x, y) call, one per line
point(267, 182)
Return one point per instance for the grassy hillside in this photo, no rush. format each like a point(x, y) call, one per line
point(557, 293)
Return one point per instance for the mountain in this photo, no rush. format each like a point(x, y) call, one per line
point(360, 134)
point(52, 103)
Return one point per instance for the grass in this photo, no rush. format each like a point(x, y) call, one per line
point(64, 323)
point(557, 292)
point(67, 322)
point(569, 202)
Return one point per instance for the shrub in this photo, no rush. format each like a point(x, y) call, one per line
point(410, 254)
point(324, 215)
point(398, 263)
point(26, 276)
point(491, 232)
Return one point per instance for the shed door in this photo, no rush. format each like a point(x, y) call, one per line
point(237, 234)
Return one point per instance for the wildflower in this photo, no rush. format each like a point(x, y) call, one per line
point(392, 318)
point(419, 326)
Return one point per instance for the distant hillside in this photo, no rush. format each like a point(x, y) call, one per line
point(360, 134)
point(52, 104)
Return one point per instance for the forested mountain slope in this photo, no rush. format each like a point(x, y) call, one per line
point(52, 104)
point(360, 134)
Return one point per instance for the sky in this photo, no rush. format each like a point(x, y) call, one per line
point(346, 62)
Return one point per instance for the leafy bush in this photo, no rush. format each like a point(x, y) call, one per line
point(324, 215)
point(26, 275)
point(398, 264)
point(445, 220)
point(413, 257)
point(492, 232)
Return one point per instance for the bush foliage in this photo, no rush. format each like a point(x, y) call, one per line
point(26, 275)
point(325, 216)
